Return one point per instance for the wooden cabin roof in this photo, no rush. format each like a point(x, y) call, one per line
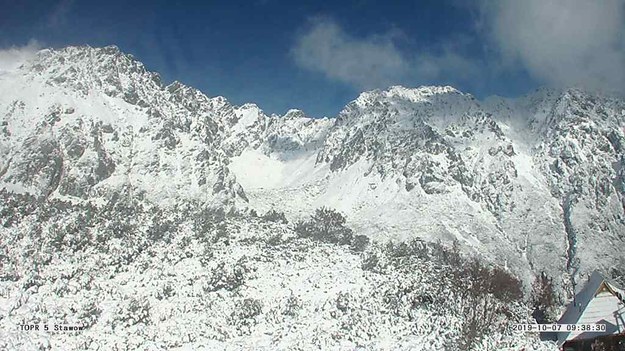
point(599, 301)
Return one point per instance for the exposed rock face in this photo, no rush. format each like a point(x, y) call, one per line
point(536, 183)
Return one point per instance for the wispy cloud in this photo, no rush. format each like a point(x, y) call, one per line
point(363, 62)
point(376, 61)
point(560, 42)
point(13, 57)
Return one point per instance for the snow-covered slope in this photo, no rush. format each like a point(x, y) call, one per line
point(535, 183)
point(139, 276)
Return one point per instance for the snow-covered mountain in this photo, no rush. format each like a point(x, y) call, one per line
point(536, 182)
point(83, 123)
point(531, 184)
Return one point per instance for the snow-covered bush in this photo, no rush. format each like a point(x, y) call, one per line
point(165, 292)
point(206, 219)
point(244, 315)
point(544, 299)
point(14, 207)
point(275, 216)
point(481, 296)
point(131, 312)
point(329, 226)
point(229, 277)
point(326, 225)
point(241, 281)
point(359, 243)
point(161, 228)
point(291, 305)
point(89, 314)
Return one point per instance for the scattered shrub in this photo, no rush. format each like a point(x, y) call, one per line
point(275, 216)
point(161, 228)
point(359, 243)
point(244, 315)
point(544, 299)
point(328, 226)
point(292, 305)
point(342, 301)
point(371, 262)
point(249, 308)
point(481, 293)
point(90, 314)
point(166, 292)
point(228, 278)
point(207, 219)
point(137, 310)
point(504, 286)
point(221, 234)
point(120, 228)
point(274, 240)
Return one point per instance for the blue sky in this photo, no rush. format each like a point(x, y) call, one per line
point(318, 55)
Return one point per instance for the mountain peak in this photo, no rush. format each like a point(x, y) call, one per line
point(424, 90)
point(294, 113)
point(439, 105)
point(418, 94)
point(84, 59)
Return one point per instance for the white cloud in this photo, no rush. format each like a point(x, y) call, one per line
point(365, 63)
point(376, 61)
point(13, 57)
point(561, 42)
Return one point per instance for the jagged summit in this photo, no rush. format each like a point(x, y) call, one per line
point(294, 113)
point(404, 108)
point(85, 59)
point(397, 94)
point(414, 94)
